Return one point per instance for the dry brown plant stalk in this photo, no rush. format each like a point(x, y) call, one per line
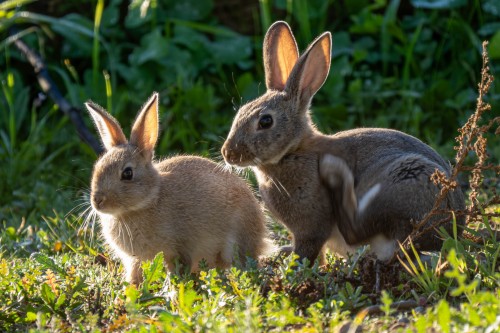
point(470, 139)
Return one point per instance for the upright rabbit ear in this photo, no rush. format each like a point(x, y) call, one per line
point(145, 130)
point(280, 55)
point(311, 69)
point(108, 127)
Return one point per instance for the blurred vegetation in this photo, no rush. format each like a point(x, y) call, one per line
point(411, 65)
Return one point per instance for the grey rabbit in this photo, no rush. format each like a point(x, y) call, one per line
point(186, 206)
point(360, 186)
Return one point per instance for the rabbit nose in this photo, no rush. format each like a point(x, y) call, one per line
point(228, 153)
point(98, 199)
point(225, 152)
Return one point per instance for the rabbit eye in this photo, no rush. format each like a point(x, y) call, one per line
point(265, 121)
point(127, 174)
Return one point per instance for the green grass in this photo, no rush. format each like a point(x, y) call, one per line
point(51, 280)
point(405, 65)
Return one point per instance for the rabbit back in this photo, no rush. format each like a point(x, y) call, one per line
point(203, 213)
point(208, 200)
point(391, 181)
point(392, 172)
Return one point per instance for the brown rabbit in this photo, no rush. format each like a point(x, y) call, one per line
point(186, 206)
point(362, 186)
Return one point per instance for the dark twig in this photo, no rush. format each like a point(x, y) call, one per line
point(49, 87)
point(397, 306)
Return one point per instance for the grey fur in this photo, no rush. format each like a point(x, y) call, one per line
point(312, 182)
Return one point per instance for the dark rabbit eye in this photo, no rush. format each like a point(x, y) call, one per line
point(265, 121)
point(127, 174)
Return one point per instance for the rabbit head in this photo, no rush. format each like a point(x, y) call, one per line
point(124, 178)
point(267, 128)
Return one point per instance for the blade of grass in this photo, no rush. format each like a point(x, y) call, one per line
point(389, 18)
point(265, 14)
point(289, 10)
point(9, 40)
point(29, 17)
point(109, 91)
point(302, 15)
point(95, 48)
point(12, 4)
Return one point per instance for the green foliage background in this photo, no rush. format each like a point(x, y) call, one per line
point(409, 65)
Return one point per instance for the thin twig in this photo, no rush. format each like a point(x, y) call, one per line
point(398, 306)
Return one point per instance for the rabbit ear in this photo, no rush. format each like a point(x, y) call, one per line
point(108, 127)
point(280, 55)
point(311, 69)
point(145, 130)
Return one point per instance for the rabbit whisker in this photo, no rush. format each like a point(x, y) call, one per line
point(91, 219)
point(129, 233)
point(75, 209)
point(278, 184)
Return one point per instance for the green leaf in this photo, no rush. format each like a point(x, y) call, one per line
point(444, 316)
point(71, 27)
point(69, 24)
point(30, 316)
point(60, 301)
point(438, 4)
point(11, 232)
point(190, 10)
point(47, 263)
point(153, 270)
point(230, 50)
point(11, 4)
point(153, 47)
point(492, 7)
point(47, 295)
point(132, 294)
point(494, 46)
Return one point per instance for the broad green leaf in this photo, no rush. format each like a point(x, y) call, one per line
point(47, 294)
point(492, 7)
point(47, 263)
point(30, 316)
point(444, 316)
point(153, 47)
point(60, 301)
point(11, 232)
point(494, 46)
point(153, 270)
point(190, 10)
point(79, 43)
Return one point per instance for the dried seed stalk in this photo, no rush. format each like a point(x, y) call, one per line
point(470, 139)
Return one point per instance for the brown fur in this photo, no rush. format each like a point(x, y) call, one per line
point(186, 206)
point(362, 186)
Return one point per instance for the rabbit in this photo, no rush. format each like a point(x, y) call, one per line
point(186, 206)
point(341, 191)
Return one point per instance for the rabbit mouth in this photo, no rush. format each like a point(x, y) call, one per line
point(233, 158)
point(241, 163)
